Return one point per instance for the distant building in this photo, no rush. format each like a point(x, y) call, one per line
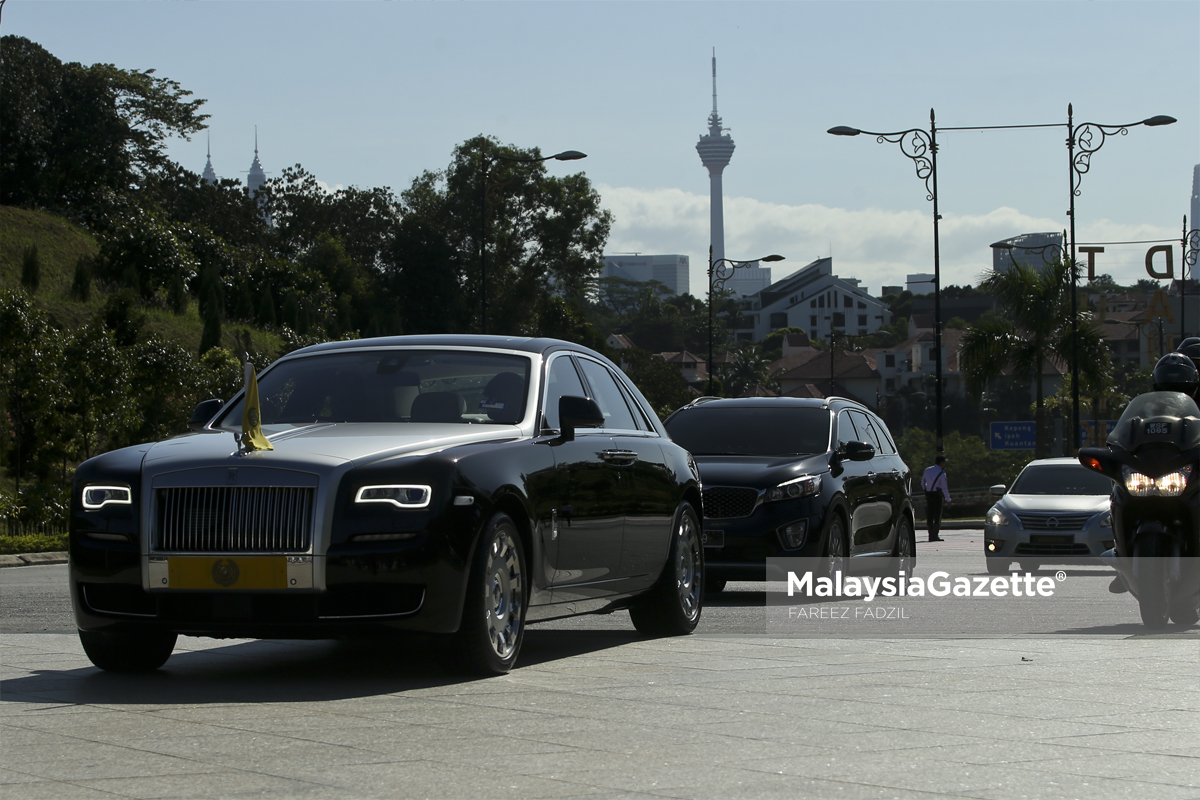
point(715, 149)
point(748, 280)
point(670, 270)
point(815, 300)
point(209, 175)
point(890, 290)
point(920, 283)
point(1033, 250)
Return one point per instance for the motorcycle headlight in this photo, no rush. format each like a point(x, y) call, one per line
point(804, 486)
point(997, 517)
point(1169, 485)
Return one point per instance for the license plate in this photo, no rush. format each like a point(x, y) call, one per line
point(227, 572)
point(1158, 429)
point(713, 538)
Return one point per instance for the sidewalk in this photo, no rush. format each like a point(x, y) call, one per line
point(31, 559)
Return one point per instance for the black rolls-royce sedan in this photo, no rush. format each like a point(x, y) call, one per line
point(457, 485)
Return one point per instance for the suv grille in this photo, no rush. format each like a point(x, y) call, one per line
point(729, 502)
point(234, 519)
point(1062, 522)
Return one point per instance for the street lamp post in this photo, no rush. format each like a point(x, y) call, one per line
point(920, 146)
point(1146, 327)
point(1088, 137)
point(1189, 245)
point(487, 162)
point(719, 271)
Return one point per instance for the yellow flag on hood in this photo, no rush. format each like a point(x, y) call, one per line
point(252, 434)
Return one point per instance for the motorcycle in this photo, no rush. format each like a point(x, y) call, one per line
point(1153, 459)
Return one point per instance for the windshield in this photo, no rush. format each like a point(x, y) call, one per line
point(391, 386)
point(1060, 479)
point(1157, 404)
point(757, 431)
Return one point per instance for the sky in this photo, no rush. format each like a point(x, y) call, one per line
point(375, 93)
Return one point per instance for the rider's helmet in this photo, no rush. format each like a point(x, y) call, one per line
point(1190, 347)
point(1175, 372)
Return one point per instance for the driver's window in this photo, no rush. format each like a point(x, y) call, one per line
point(561, 381)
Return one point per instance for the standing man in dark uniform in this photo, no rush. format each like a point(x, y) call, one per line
point(937, 495)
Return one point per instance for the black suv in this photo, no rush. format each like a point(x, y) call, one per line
point(794, 477)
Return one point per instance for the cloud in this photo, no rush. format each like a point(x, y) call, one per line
point(878, 247)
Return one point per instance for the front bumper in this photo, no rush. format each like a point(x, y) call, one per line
point(418, 586)
point(1014, 543)
point(738, 548)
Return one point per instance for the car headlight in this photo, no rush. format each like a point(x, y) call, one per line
point(1106, 519)
point(804, 486)
point(1169, 485)
point(399, 495)
point(96, 497)
point(996, 517)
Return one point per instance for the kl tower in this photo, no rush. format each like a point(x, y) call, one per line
point(715, 149)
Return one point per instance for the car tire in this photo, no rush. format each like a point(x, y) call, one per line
point(1186, 614)
point(905, 551)
point(672, 607)
point(493, 622)
point(997, 565)
point(128, 652)
point(714, 585)
point(837, 545)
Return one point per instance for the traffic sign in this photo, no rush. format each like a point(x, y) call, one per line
point(1014, 435)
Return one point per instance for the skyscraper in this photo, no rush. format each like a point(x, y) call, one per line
point(210, 174)
point(715, 149)
point(257, 177)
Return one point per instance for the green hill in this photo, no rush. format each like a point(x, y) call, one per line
point(60, 245)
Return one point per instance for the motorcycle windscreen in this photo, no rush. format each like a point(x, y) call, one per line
point(1163, 417)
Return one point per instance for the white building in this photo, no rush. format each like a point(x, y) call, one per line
point(816, 300)
point(748, 280)
point(670, 270)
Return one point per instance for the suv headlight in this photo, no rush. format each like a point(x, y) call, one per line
point(1169, 485)
point(401, 496)
point(996, 517)
point(804, 486)
point(96, 497)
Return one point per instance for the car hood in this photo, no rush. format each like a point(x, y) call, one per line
point(760, 472)
point(1054, 504)
point(327, 444)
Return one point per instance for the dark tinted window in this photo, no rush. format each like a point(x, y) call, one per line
point(391, 386)
point(561, 381)
point(751, 431)
point(1060, 479)
point(608, 396)
point(865, 432)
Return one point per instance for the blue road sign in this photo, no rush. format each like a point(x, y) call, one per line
point(1088, 428)
point(1014, 435)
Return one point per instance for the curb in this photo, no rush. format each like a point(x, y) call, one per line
point(952, 525)
point(33, 559)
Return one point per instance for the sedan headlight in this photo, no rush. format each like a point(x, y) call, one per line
point(399, 495)
point(804, 486)
point(997, 517)
point(1106, 519)
point(96, 497)
point(1169, 485)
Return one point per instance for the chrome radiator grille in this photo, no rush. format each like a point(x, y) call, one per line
point(1054, 522)
point(234, 519)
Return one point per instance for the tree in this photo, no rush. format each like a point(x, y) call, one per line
point(1032, 328)
point(545, 235)
point(71, 136)
point(661, 383)
point(746, 371)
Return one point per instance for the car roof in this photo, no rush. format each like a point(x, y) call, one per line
point(521, 343)
point(773, 402)
point(1065, 461)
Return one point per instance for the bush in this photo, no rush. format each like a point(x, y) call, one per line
point(33, 543)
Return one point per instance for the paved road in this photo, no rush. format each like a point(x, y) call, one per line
point(596, 711)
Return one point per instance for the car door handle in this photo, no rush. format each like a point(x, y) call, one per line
point(871, 477)
point(619, 457)
point(896, 473)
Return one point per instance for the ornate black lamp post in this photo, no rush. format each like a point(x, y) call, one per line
point(1087, 138)
point(920, 146)
point(1189, 245)
point(488, 160)
point(720, 271)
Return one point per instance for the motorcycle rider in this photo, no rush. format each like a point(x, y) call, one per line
point(1190, 347)
point(1174, 372)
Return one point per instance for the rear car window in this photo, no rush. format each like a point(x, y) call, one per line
point(756, 431)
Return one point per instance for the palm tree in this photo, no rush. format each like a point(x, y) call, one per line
point(746, 369)
point(1032, 328)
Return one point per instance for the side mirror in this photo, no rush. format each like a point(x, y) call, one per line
point(860, 451)
point(578, 412)
point(203, 413)
point(1099, 459)
point(998, 490)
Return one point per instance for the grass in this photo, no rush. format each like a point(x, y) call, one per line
point(60, 245)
